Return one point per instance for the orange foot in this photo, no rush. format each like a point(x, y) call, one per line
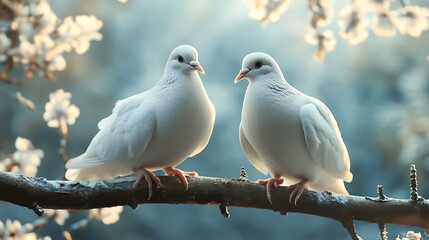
point(171, 171)
point(143, 174)
point(276, 181)
point(297, 190)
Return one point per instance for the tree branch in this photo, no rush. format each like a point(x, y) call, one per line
point(26, 191)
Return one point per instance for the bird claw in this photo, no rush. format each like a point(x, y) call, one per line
point(171, 171)
point(276, 181)
point(143, 174)
point(296, 191)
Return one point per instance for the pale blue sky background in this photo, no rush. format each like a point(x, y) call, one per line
point(356, 82)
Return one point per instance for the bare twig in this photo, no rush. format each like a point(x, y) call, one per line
point(348, 224)
point(243, 174)
point(381, 226)
point(223, 207)
point(4, 75)
point(380, 192)
point(37, 209)
point(414, 194)
point(13, 35)
point(63, 147)
point(383, 231)
point(24, 101)
point(49, 74)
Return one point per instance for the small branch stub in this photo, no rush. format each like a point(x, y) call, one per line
point(243, 174)
point(37, 209)
point(383, 231)
point(414, 195)
point(381, 197)
point(348, 224)
point(380, 191)
point(223, 207)
point(382, 226)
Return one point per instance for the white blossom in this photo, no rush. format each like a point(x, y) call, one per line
point(412, 20)
point(59, 111)
point(90, 26)
point(4, 164)
point(24, 53)
point(267, 10)
point(58, 63)
point(410, 235)
point(43, 37)
point(353, 27)
point(106, 215)
point(47, 19)
point(78, 33)
point(27, 156)
point(325, 42)
point(67, 32)
point(59, 216)
point(325, 38)
point(382, 24)
point(46, 53)
point(25, 160)
point(14, 230)
point(41, 52)
point(321, 12)
point(378, 6)
point(40, 19)
point(20, 8)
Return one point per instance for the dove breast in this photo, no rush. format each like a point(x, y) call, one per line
point(183, 127)
point(274, 129)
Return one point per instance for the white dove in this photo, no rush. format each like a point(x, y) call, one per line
point(153, 130)
point(288, 134)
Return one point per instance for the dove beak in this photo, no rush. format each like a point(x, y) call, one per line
point(196, 65)
point(241, 74)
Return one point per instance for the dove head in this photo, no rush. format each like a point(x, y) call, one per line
point(256, 65)
point(184, 58)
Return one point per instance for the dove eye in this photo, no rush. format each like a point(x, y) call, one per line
point(258, 65)
point(180, 59)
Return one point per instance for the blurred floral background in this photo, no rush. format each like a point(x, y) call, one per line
point(70, 61)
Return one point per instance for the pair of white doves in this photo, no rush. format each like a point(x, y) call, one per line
point(284, 132)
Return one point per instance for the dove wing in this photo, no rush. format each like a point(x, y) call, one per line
point(107, 120)
point(123, 135)
point(251, 154)
point(323, 140)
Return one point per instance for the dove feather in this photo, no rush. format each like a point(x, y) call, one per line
point(125, 135)
point(323, 140)
point(251, 153)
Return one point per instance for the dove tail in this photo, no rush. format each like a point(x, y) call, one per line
point(85, 174)
point(339, 187)
point(348, 177)
point(74, 162)
point(336, 186)
point(72, 174)
point(100, 172)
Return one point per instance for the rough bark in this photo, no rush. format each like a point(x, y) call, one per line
point(26, 191)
